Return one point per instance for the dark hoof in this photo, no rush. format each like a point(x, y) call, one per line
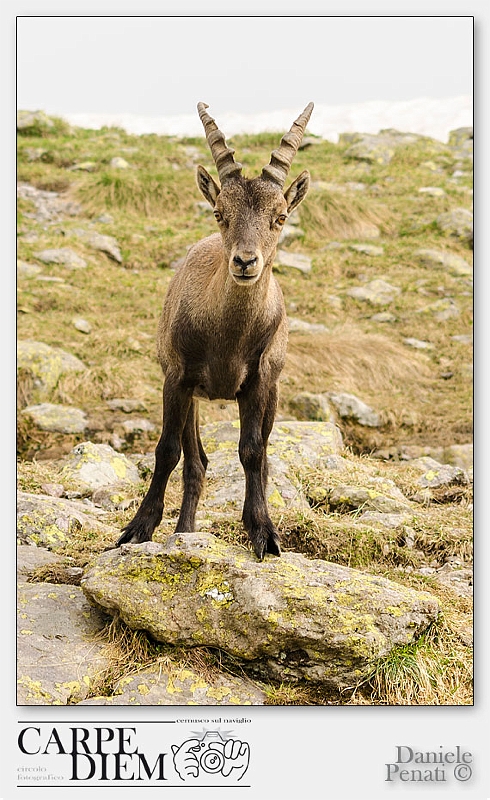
point(265, 541)
point(136, 532)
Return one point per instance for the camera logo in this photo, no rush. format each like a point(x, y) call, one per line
point(211, 755)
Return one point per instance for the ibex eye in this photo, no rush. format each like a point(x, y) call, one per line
point(281, 219)
point(217, 216)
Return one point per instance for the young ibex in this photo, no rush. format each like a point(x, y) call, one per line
point(223, 334)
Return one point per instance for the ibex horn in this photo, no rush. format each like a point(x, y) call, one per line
point(282, 158)
point(222, 154)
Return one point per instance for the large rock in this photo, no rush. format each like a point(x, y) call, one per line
point(94, 465)
point(163, 685)
point(458, 224)
point(438, 259)
point(58, 658)
point(62, 255)
point(99, 241)
point(52, 521)
point(292, 446)
point(289, 618)
point(44, 366)
point(352, 408)
point(57, 418)
point(377, 292)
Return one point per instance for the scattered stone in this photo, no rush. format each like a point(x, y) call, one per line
point(383, 316)
point(433, 191)
point(57, 418)
point(113, 497)
point(44, 365)
point(388, 501)
point(81, 325)
point(53, 489)
point(454, 264)
point(30, 559)
point(93, 465)
point(463, 338)
point(437, 475)
point(84, 166)
point(457, 223)
point(459, 136)
point(288, 619)
point(367, 249)
point(62, 255)
point(419, 344)
point(376, 149)
point(351, 407)
point(377, 292)
point(126, 404)
point(164, 685)
point(99, 241)
point(308, 406)
point(25, 270)
point(57, 664)
point(459, 581)
point(118, 163)
point(106, 219)
point(37, 120)
point(300, 326)
point(294, 260)
point(393, 520)
point(139, 425)
point(442, 310)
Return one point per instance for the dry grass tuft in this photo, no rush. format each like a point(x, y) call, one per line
point(335, 216)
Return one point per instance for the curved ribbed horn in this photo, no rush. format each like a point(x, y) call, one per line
point(222, 154)
point(282, 158)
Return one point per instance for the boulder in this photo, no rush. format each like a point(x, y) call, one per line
point(441, 259)
point(377, 292)
point(58, 657)
point(287, 618)
point(351, 407)
point(62, 255)
point(99, 241)
point(44, 366)
point(163, 685)
point(93, 465)
point(458, 224)
point(57, 418)
point(51, 521)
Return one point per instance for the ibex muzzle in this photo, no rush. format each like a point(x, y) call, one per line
point(223, 334)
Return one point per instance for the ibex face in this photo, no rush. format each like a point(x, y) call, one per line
point(251, 212)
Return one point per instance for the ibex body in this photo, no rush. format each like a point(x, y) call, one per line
point(223, 334)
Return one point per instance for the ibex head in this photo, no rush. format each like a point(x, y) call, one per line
point(251, 212)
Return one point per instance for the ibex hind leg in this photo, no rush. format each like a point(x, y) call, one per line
point(167, 455)
point(195, 463)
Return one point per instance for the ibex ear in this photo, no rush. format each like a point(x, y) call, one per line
point(297, 191)
point(207, 185)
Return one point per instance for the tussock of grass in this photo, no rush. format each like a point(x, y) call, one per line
point(328, 216)
point(148, 193)
point(434, 670)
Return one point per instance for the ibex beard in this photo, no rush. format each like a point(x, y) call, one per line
point(223, 334)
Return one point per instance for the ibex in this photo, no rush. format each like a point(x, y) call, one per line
point(223, 334)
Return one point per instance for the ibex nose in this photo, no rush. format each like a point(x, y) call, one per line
point(239, 262)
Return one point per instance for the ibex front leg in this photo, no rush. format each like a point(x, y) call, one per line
point(176, 403)
point(257, 409)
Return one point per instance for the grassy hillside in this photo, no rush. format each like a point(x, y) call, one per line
point(152, 207)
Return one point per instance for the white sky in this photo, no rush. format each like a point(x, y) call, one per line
point(164, 65)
